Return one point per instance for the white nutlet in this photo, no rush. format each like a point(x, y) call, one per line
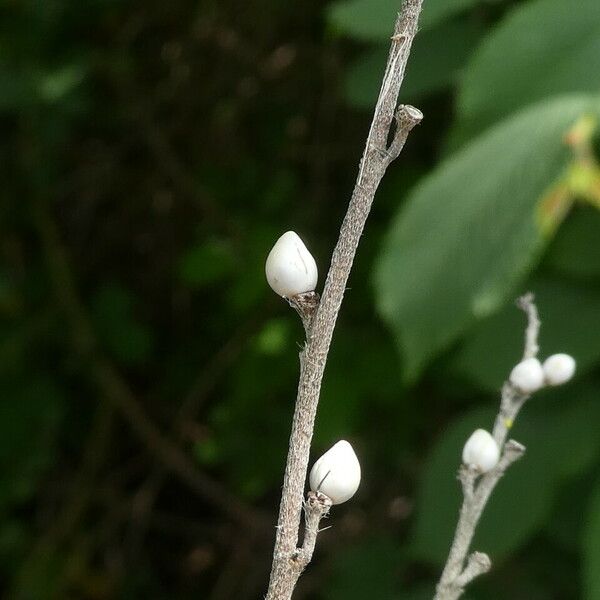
point(481, 451)
point(559, 368)
point(337, 473)
point(290, 267)
point(528, 376)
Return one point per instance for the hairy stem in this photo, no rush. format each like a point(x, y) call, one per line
point(377, 156)
point(461, 569)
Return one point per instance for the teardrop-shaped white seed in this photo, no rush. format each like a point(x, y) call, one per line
point(528, 376)
point(481, 451)
point(337, 473)
point(290, 267)
point(559, 368)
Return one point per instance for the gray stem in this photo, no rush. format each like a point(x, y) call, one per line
point(460, 570)
point(377, 156)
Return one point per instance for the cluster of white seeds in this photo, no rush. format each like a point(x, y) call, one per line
point(530, 375)
point(481, 452)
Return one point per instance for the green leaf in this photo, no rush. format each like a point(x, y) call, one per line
point(473, 229)
point(31, 414)
point(254, 414)
point(45, 577)
point(53, 86)
point(14, 541)
point(17, 89)
point(207, 451)
point(206, 263)
point(127, 339)
point(249, 287)
point(566, 524)
point(438, 11)
point(346, 401)
point(421, 592)
point(365, 570)
point(542, 48)
point(591, 549)
point(274, 336)
point(363, 78)
point(561, 440)
point(574, 252)
point(373, 20)
point(568, 312)
point(435, 62)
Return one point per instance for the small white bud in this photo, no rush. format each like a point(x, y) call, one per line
point(559, 368)
point(290, 267)
point(481, 451)
point(528, 376)
point(337, 473)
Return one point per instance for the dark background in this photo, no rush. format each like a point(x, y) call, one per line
point(151, 153)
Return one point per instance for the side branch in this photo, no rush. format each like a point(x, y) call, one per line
point(477, 489)
point(377, 156)
point(316, 507)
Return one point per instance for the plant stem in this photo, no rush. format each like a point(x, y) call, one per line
point(460, 570)
point(377, 156)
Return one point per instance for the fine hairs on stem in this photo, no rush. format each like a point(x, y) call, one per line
point(319, 317)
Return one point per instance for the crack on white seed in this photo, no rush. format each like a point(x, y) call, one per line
point(302, 259)
point(323, 480)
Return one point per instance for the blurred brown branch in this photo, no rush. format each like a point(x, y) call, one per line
point(116, 389)
point(76, 503)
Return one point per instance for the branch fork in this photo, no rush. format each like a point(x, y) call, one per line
point(461, 568)
point(305, 305)
point(316, 507)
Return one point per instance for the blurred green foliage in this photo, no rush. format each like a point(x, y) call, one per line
point(151, 153)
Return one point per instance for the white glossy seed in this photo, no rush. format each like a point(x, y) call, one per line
point(528, 376)
point(337, 473)
point(290, 267)
point(559, 368)
point(481, 451)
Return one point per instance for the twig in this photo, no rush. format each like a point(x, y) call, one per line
point(198, 393)
point(460, 570)
point(142, 109)
point(316, 507)
point(527, 305)
point(377, 156)
point(76, 503)
point(182, 178)
point(116, 389)
point(512, 400)
point(212, 374)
